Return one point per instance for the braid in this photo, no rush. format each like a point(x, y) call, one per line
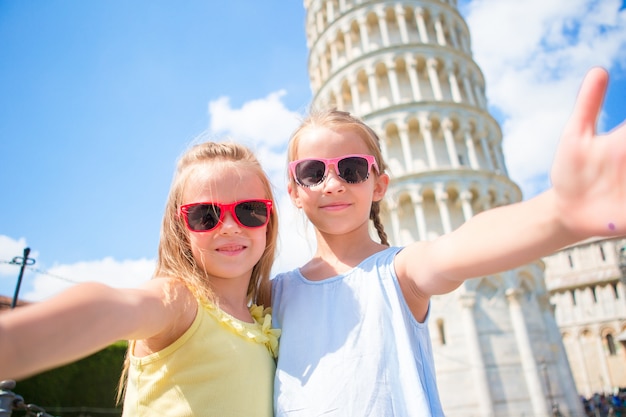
point(374, 216)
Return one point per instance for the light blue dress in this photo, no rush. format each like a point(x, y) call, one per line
point(351, 347)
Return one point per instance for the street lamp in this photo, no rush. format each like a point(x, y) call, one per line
point(23, 261)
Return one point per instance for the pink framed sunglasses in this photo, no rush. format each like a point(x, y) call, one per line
point(352, 169)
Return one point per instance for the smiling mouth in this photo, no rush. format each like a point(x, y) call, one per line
point(335, 206)
point(231, 248)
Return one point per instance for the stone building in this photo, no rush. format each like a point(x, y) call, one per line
point(406, 68)
point(587, 283)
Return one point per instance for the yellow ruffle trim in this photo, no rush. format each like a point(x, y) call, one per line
point(261, 331)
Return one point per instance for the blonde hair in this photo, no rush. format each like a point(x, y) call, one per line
point(338, 120)
point(175, 259)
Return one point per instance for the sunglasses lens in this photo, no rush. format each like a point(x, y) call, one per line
point(202, 217)
point(252, 213)
point(310, 172)
point(353, 169)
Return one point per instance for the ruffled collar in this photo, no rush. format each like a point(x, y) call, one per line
point(260, 331)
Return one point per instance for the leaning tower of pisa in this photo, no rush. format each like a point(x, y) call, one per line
point(406, 68)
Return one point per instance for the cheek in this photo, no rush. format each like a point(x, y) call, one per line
point(295, 194)
point(260, 238)
point(305, 197)
point(197, 243)
point(259, 243)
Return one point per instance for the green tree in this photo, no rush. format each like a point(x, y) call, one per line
point(87, 387)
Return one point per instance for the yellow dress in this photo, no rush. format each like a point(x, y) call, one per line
point(220, 366)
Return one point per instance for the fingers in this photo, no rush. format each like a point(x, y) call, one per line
point(589, 101)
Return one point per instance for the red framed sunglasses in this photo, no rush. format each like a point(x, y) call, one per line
point(353, 169)
point(206, 216)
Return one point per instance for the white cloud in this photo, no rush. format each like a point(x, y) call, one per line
point(534, 55)
point(40, 282)
point(266, 120)
point(119, 274)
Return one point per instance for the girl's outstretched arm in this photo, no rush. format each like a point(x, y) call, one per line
point(588, 198)
point(76, 323)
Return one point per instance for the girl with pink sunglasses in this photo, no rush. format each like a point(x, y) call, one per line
point(354, 319)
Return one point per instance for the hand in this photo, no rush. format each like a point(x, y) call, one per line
point(589, 170)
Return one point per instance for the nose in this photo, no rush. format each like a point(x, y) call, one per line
point(332, 182)
point(229, 224)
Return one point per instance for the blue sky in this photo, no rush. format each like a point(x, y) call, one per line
point(99, 98)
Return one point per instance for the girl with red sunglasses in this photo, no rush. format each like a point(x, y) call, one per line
point(354, 319)
point(200, 340)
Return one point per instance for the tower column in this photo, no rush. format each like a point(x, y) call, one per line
point(479, 370)
point(478, 95)
point(401, 18)
point(324, 65)
point(411, 67)
point(465, 197)
point(432, 65)
point(559, 356)
point(319, 23)
point(395, 222)
point(406, 147)
point(330, 11)
point(314, 71)
point(371, 82)
point(365, 42)
point(420, 219)
point(454, 84)
point(347, 41)
point(463, 41)
point(448, 136)
point(529, 365)
point(426, 130)
point(581, 360)
point(500, 161)
point(382, 24)
point(338, 93)
point(334, 56)
point(441, 197)
point(421, 24)
point(354, 92)
point(471, 149)
point(455, 40)
point(383, 148)
point(604, 367)
point(467, 86)
point(486, 151)
point(441, 37)
point(393, 82)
